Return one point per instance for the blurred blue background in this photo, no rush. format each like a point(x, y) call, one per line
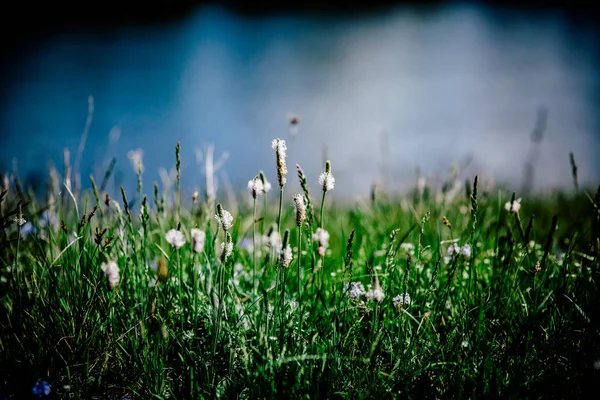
point(380, 93)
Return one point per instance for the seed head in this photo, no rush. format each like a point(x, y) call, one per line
point(226, 248)
point(265, 182)
point(375, 294)
point(198, 239)
point(224, 217)
point(135, 156)
point(111, 270)
point(280, 148)
point(175, 238)
point(326, 179)
point(286, 250)
point(256, 187)
point(321, 236)
point(513, 206)
point(300, 207)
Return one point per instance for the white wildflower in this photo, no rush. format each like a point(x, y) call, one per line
point(455, 248)
point(135, 156)
point(408, 247)
point(401, 300)
point(273, 239)
point(256, 187)
point(354, 290)
point(327, 181)
point(514, 207)
point(280, 148)
point(19, 220)
point(286, 256)
point(175, 238)
point(265, 182)
point(224, 218)
point(376, 295)
point(465, 343)
point(300, 209)
point(226, 250)
point(266, 186)
point(321, 236)
point(466, 250)
point(111, 270)
point(198, 239)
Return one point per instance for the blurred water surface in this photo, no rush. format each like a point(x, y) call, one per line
point(379, 94)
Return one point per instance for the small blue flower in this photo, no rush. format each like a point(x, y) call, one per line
point(27, 229)
point(41, 389)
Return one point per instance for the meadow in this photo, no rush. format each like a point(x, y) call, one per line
point(463, 292)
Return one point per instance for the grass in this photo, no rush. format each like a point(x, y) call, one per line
point(512, 313)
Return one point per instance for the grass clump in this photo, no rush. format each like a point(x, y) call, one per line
point(411, 297)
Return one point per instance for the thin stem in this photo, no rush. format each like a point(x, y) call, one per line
point(300, 274)
point(262, 223)
point(322, 204)
point(254, 248)
point(299, 263)
point(280, 206)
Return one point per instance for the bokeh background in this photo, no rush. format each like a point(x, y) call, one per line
point(387, 90)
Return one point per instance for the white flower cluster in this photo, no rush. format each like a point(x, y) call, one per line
point(135, 156)
point(226, 220)
point(280, 148)
point(455, 248)
point(327, 181)
point(375, 294)
point(321, 236)
point(300, 209)
point(256, 187)
point(226, 250)
point(286, 256)
point(401, 300)
point(513, 207)
point(198, 240)
point(175, 238)
point(354, 290)
point(272, 239)
point(111, 270)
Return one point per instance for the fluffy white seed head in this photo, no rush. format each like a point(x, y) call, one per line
point(376, 293)
point(321, 236)
point(327, 181)
point(256, 187)
point(273, 238)
point(175, 238)
point(111, 270)
point(224, 218)
point(514, 207)
point(286, 256)
point(135, 156)
point(198, 240)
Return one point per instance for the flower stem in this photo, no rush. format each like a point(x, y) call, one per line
point(254, 248)
point(280, 206)
point(300, 275)
point(322, 204)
